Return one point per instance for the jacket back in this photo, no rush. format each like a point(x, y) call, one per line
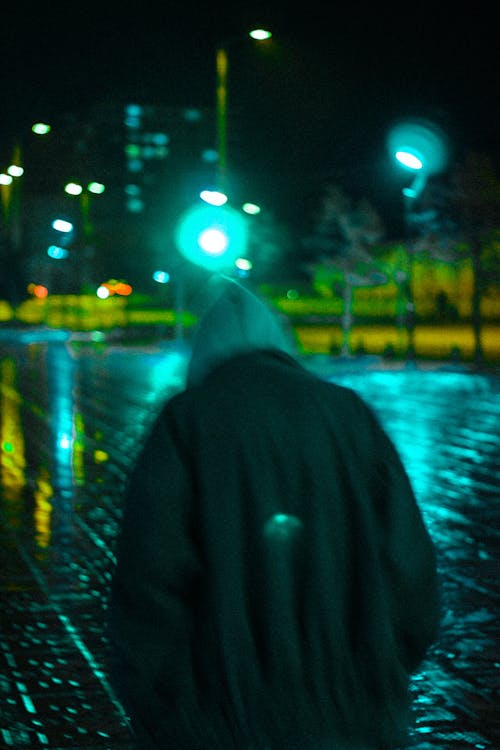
point(275, 584)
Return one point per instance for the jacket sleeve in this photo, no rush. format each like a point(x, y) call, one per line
point(406, 550)
point(149, 608)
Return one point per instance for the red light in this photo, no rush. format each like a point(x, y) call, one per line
point(40, 291)
point(118, 287)
point(124, 289)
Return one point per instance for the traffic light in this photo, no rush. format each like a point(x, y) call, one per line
point(212, 236)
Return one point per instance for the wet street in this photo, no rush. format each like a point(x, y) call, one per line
point(72, 417)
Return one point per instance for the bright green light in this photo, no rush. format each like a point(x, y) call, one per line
point(73, 188)
point(243, 264)
point(212, 236)
point(96, 187)
point(61, 225)
point(5, 179)
point(407, 159)
point(15, 170)
point(260, 34)
point(213, 197)
point(251, 208)
point(132, 150)
point(41, 128)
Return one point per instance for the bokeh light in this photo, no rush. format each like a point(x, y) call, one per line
point(212, 236)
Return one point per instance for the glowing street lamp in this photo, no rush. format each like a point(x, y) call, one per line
point(213, 197)
point(161, 277)
point(212, 236)
point(76, 188)
point(409, 160)
point(73, 188)
point(57, 252)
point(251, 208)
point(420, 147)
point(41, 128)
point(62, 225)
point(15, 170)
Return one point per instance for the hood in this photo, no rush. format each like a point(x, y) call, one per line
point(237, 322)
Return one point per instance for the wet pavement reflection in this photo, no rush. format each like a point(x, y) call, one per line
point(72, 416)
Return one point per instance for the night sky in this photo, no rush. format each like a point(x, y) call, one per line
point(313, 106)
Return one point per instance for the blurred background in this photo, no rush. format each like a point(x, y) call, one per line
point(347, 162)
point(344, 163)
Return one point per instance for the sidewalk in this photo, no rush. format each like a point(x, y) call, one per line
point(72, 419)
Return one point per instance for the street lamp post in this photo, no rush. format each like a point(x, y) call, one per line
point(87, 229)
point(221, 66)
point(222, 69)
point(14, 212)
point(421, 148)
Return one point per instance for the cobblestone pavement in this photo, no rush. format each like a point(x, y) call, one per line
point(72, 416)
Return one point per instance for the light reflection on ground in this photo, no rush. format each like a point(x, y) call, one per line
point(71, 422)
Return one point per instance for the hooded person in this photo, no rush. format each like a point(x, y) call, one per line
point(275, 584)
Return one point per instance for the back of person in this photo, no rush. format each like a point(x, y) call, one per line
point(292, 591)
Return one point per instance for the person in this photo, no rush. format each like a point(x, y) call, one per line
point(275, 584)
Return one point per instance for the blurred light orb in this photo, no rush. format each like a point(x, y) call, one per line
point(103, 292)
point(407, 159)
point(15, 170)
point(260, 34)
point(211, 236)
point(132, 189)
point(61, 225)
point(251, 208)
point(243, 264)
point(96, 187)
point(65, 441)
point(41, 128)
point(213, 240)
point(209, 155)
point(192, 114)
point(73, 188)
point(133, 110)
point(56, 252)
point(135, 205)
point(419, 141)
point(162, 277)
point(39, 290)
point(213, 197)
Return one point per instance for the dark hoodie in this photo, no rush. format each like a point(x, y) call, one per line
point(275, 584)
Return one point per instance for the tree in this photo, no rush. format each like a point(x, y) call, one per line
point(462, 216)
point(341, 244)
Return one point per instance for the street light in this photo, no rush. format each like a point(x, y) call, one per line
point(221, 68)
point(84, 192)
point(213, 197)
point(420, 147)
point(94, 188)
point(62, 225)
point(10, 186)
point(211, 236)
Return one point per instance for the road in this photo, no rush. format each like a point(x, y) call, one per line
point(72, 417)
